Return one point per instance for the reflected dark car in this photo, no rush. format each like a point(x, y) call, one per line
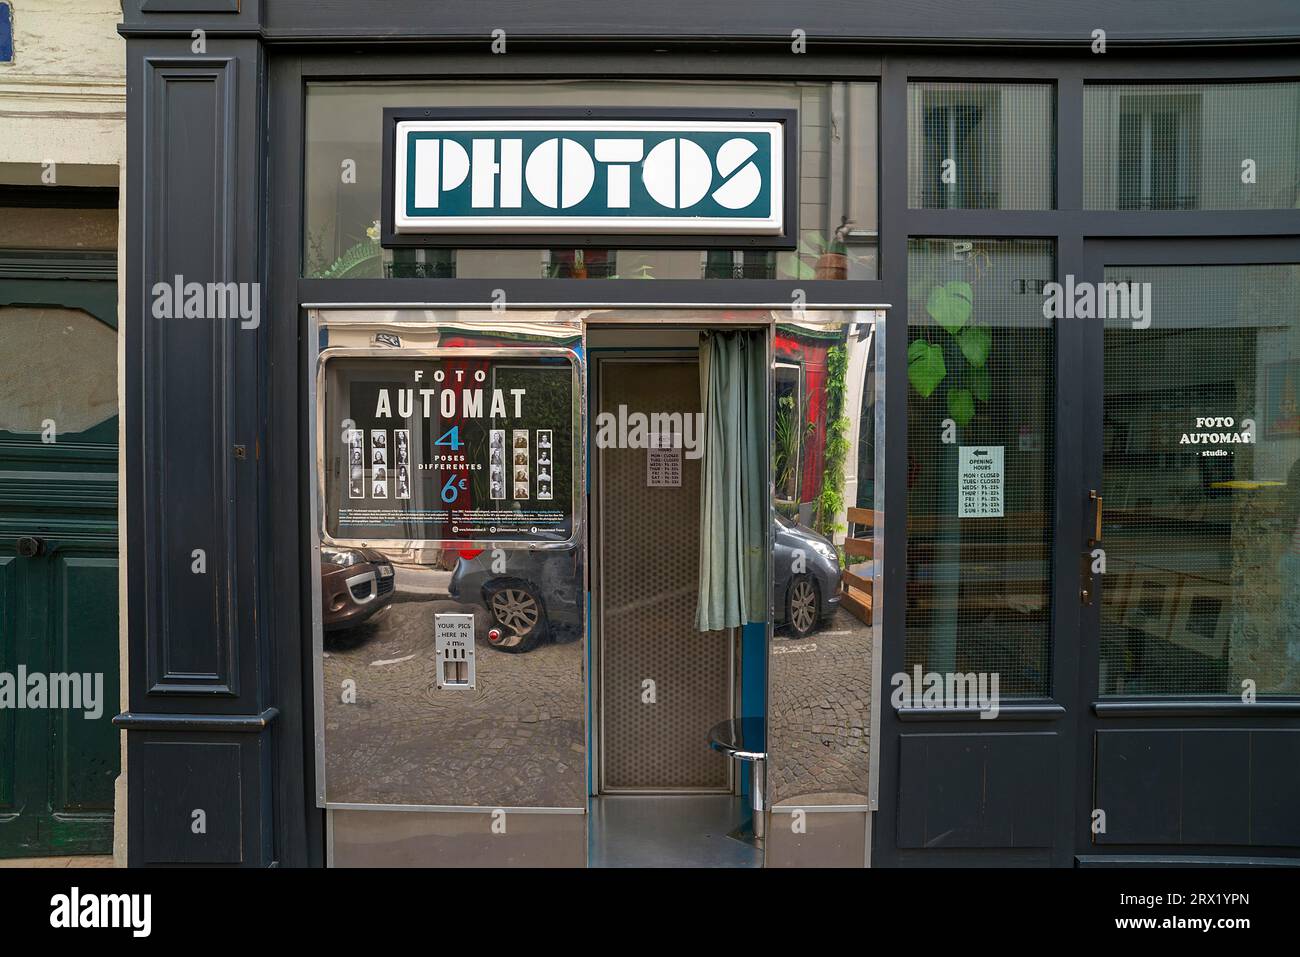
point(807, 589)
point(541, 594)
point(355, 585)
point(539, 597)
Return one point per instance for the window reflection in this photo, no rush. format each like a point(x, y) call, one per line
point(1201, 485)
point(820, 675)
point(1191, 146)
point(836, 224)
point(981, 145)
point(981, 382)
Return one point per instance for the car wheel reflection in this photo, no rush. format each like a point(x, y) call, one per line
point(803, 608)
point(520, 617)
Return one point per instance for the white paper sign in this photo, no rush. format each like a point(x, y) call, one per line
point(663, 466)
point(979, 481)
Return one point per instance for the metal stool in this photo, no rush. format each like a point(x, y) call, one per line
point(740, 738)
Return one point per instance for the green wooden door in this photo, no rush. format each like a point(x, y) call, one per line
point(58, 554)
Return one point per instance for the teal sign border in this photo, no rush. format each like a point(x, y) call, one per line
point(456, 201)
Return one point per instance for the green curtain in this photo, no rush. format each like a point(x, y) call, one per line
point(733, 506)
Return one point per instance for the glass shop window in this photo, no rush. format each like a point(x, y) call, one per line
point(1201, 484)
point(1191, 146)
point(836, 204)
point(981, 390)
point(981, 145)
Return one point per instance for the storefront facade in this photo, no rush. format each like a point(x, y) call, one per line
point(984, 301)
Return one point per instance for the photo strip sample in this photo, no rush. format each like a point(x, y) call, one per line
point(356, 452)
point(402, 461)
point(519, 444)
point(497, 463)
point(544, 480)
point(379, 463)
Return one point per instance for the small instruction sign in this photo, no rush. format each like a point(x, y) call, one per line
point(453, 640)
point(664, 462)
point(980, 481)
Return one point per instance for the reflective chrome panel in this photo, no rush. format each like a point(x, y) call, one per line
point(826, 525)
point(440, 540)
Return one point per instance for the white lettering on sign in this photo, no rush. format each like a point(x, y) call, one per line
point(663, 468)
point(1228, 432)
point(979, 481)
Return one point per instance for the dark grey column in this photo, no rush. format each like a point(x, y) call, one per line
point(201, 720)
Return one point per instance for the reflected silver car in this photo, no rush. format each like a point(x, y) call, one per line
point(541, 594)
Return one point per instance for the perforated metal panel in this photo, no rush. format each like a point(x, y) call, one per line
point(648, 568)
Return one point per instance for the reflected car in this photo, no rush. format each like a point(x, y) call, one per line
point(356, 584)
point(803, 598)
point(539, 598)
point(541, 595)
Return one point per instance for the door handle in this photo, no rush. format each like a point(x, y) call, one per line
point(1087, 591)
point(29, 546)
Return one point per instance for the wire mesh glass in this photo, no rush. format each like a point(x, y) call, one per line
point(1202, 484)
point(1191, 146)
point(981, 145)
point(981, 395)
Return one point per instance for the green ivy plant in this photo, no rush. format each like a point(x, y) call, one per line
point(830, 500)
point(960, 359)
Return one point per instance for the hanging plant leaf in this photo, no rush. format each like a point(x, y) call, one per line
point(981, 384)
point(975, 342)
point(950, 305)
point(961, 406)
point(925, 368)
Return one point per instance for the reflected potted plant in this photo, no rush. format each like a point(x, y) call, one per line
point(821, 258)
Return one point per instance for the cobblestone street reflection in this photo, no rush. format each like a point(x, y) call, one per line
point(819, 729)
point(516, 740)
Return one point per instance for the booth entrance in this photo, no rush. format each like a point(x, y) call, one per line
point(662, 683)
point(660, 794)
